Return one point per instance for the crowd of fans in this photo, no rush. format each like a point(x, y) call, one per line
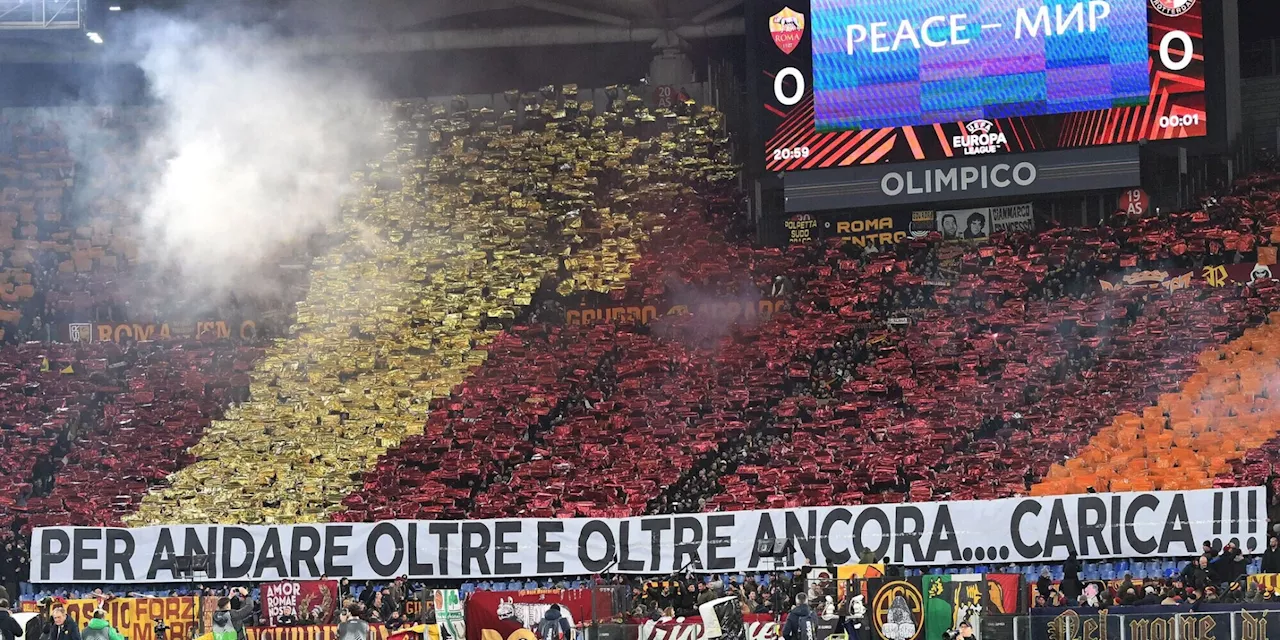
point(555, 196)
point(434, 369)
point(1217, 576)
point(831, 404)
point(87, 425)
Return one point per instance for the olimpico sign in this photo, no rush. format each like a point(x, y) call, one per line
point(1035, 529)
point(964, 177)
point(958, 179)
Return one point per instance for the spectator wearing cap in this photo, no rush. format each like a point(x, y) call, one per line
point(1208, 551)
point(395, 594)
point(1229, 565)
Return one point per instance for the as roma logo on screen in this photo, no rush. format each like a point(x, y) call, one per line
point(1171, 8)
point(787, 27)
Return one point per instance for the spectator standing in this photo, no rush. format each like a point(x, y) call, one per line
point(9, 628)
point(801, 623)
point(382, 605)
point(1228, 566)
point(1196, 574)
point(1271, 557)
point(228, 623)
point(99, 629)
point(1045, 583)
point(554, 626)
point(1127, 590)
point(712, 592)
point(35, 626)
point(1273, 512)
point(1071, 587)
point(1206, 550)
point(350, 626)
point(9, 569)
point(61, 626)
point(393, 596)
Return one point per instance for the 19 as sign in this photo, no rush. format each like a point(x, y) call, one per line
point(1135, 203)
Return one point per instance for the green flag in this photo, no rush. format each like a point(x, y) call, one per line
point(950, 600)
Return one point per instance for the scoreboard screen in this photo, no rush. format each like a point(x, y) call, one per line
point(850, 82)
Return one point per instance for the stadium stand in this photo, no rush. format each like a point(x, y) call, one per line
point(469, 392)
point(157, 409)
point(408, 301)
point(92, 425)
point(37, 173)
point(618, 377)
point(1024, 343)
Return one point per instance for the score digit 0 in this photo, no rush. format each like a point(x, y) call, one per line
point(1188, 50)
point(779, 91)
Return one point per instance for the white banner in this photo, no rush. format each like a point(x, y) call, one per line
point(1094, 526)
point(974, 224)
point(1013, 218)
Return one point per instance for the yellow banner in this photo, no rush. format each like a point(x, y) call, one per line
point(1266, 581)
point(847, 572)
point(142, 332)
point(307, 632)
point(135, 618)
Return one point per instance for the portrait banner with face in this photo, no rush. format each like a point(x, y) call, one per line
point(964, 224)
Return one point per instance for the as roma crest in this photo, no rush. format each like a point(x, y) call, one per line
point(787, 27)
point(897, 610)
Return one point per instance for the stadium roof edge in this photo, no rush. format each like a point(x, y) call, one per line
point(434, 40)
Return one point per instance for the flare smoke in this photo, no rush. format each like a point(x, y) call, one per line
point(249, 150)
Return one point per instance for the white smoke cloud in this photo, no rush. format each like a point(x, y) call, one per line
point(249, 151)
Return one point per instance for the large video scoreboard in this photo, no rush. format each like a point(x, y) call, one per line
point(860, 82)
